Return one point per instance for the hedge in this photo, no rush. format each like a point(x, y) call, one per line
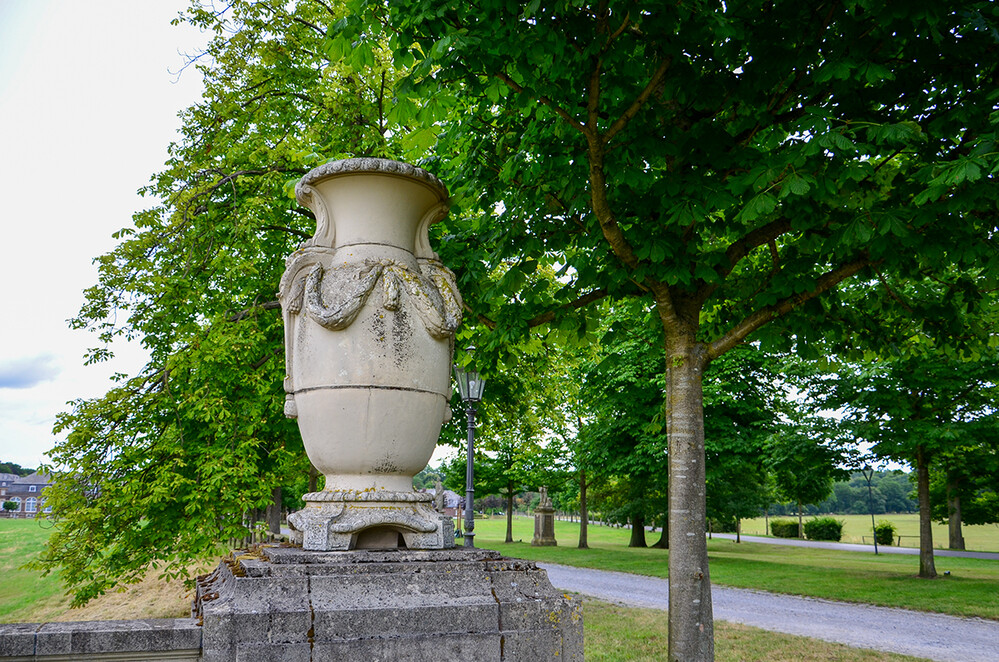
point(784, 528)
point(824, 528)
point(884, 533)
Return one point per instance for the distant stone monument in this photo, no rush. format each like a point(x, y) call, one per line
point(370, 315)
point(544, 522)
point(439, 501)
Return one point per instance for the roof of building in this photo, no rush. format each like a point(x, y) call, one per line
point(8, 478)
point(37, 478)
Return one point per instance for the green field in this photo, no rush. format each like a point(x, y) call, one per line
point(21, 591)
point(972, 588)
point(857, 528)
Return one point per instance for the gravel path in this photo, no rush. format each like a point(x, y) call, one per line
point(932, 636)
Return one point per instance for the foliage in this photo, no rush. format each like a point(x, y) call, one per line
point(918, 408)
point(624, 436)
point(824, 528)
point(967, 478)
point(426, 479)
point(14, 468)
point(804, 459)
point(9, 506)
point(892, 492)
point(784, 528)
point(884, 532)
point(743, 401)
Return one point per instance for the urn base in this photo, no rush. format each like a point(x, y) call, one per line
point(346, 520)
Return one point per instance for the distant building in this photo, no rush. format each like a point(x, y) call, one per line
point(26, 492)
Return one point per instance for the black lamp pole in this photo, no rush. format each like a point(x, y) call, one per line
point(470, 386)
point(869, 474)
point(470, 412)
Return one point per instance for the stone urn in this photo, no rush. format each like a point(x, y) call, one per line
point(370, 315)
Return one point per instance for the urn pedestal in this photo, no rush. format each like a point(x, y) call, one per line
point(370, 315)
point(284, 604)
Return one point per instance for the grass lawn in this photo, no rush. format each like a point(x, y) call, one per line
point(27, 597)
point(20, 541)
point(857, 528)
point(972, 589)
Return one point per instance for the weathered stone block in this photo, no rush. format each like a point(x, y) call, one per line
point(17, 639)
point(273, 653)
point(464, 647)
point(418, 605)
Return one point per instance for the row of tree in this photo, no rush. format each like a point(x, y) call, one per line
point(775, 434)
point(672, 180)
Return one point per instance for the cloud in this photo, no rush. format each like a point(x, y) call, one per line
point(27, 372)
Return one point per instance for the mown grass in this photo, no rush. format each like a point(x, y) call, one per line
point(972, 588)
point(857, 529)
point(613, 633)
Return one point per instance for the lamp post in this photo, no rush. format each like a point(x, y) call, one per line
point(868, 471)
point(470, 385)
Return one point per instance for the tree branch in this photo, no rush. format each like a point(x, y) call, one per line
point(639, 101)
point(516, 87)
point(892, 292)
point(739, 249)
point(249, 312)
point(764, 234)
point(754, 321)
point(582, 301)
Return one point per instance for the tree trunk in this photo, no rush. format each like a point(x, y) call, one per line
point(956, 535)
point(691, 625)
point(637, 531)
point(663, 542)
point(274, 512)
point(313, 479)
point(801, 523)
point(927, 569)
point(738, 530)
point(584, 514)
point(509, 512)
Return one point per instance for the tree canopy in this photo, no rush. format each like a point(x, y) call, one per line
point(731, 162)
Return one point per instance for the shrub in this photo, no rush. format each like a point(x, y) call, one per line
point(884, 532)
point(824, 528)
point(784, 528)
point(722, 524)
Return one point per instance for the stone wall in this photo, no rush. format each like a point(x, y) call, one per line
point(177, 639)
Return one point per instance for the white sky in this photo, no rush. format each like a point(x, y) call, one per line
point(88, 106)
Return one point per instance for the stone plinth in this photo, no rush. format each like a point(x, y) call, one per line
point(544, 527)
point(289, 604)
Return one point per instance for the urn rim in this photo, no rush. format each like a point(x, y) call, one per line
point(363, 165)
